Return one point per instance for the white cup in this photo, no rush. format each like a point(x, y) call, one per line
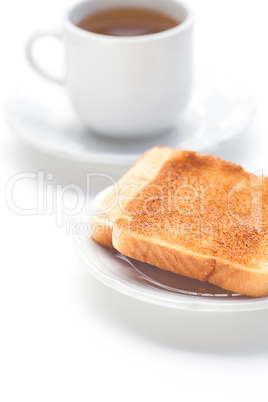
point(125, 86)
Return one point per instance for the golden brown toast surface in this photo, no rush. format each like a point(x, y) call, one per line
point(133, 181)
point(201, 207)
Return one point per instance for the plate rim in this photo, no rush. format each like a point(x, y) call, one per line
point(178, 302)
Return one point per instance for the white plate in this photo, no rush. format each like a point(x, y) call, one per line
point(156, 286)
point(42, 116)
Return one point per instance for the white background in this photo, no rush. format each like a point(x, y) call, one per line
point(66, 337)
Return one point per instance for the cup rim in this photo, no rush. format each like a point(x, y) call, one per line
point(186, 23)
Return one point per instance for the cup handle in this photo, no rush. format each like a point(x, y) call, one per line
point(31, 59)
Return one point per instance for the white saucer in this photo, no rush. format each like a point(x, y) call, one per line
point(41, 115)
point(156, 286)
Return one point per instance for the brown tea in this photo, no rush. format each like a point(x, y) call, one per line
point(127, 22)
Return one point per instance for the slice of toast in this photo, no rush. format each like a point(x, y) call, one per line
point(204, 218)
point(133, 181)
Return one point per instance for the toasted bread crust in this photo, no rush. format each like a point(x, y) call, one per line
point(238, 279)
point(231, 254)
point(134, 180)
point(101, 231)
point(246, 281)
point(164, 257)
